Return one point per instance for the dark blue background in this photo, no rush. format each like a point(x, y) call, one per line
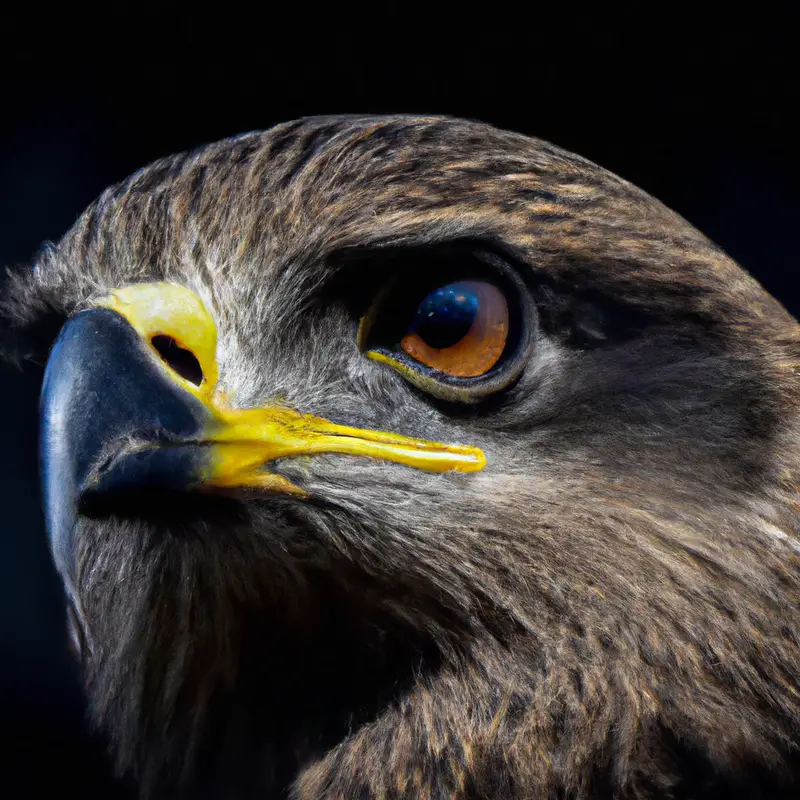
point(704, 122)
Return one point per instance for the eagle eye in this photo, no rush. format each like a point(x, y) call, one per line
point(458, 325)
point(460, 329)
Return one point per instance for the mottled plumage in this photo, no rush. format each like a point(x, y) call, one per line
point(610, 608)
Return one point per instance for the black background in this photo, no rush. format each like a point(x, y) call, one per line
point(702, 120)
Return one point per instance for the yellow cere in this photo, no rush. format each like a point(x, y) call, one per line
point(242, 441)
point(166, 309)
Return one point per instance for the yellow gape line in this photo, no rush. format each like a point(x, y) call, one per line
point(243, 441)
point(247, 439)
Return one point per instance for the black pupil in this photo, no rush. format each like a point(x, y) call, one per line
point(184, 362)
point(445, 316)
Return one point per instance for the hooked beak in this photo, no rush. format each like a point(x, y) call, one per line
point(120, 410)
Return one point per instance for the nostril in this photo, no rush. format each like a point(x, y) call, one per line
point(183, 361)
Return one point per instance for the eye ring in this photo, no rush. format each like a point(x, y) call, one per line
point(483, 272)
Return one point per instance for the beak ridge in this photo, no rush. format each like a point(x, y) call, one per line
point(100, 389)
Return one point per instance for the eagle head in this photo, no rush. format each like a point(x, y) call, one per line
point(408, 457)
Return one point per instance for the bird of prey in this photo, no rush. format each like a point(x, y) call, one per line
point(406, 457)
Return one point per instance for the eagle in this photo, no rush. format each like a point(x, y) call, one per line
point(407, 457)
